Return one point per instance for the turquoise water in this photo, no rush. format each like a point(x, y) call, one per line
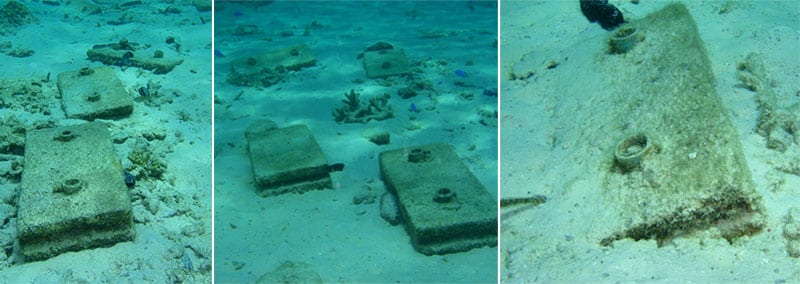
point(554, 116)
point(451, 48)
point(163, 139)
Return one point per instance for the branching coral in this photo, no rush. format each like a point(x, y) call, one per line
point(355, 111)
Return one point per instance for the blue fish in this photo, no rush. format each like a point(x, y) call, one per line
point(461, 73)
point(238, 14)
point(413, 107)
point(218, 53)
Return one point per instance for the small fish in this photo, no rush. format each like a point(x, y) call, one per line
point(187, 262)
point(413, 107)
point(238, 14)
point(130, 180)
point(126, 59)
point(338, 167)
point(461, 73)
point(218, 53)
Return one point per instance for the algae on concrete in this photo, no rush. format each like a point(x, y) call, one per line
point(697, 177)
point(72, 196)
point(385, 63)
point(126, 53)
point(269, 68)
point(286, 159)
point(444, 206)
point(91, 93)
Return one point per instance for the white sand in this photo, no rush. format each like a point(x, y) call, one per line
point(180, 230)
point(344, 242)
point(539, 154)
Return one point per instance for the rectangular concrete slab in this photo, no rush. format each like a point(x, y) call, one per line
point(91, 93)
point(287, 160)
point(72, 194)
point(385, 63)
point(444, 206)
point(114, 54)
point(268, 68)
point(692, 174)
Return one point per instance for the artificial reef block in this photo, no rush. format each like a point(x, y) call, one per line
point(91, 93)
point(385, 63)
point(72, 194)
point(624, 39)
point(444, 206)
point(133, 54)
point(679, 164)
point(286, 160)
point(269, 68)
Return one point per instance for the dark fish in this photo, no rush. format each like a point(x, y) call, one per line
point(130, 180)
point(126, 59)
point(218, 53)
point(238, 14)
point(187, 262)
point(607, 15)
point(413, 107)
point(461, 73)
point(338, 167)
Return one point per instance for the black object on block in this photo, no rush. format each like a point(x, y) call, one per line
point(600, 11)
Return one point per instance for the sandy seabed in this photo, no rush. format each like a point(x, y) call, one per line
point(171, 212)
point(542, 152)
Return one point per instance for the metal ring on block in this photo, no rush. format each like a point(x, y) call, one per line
point(70, 186)
point(65, 135)
point(624, 40)
point(630, 152)
point(444, 195)
point(419, 155)
point(85, 71)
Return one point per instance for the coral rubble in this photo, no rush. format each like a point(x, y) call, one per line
point(14, 14)
point(778, 124)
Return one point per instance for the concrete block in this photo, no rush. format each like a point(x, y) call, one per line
point(91, 93)
point(385, 63)
point(286, 160)
point(678, 164)
point(444, 206)
point(72, 194)
point(130, 54)
point(269, 68)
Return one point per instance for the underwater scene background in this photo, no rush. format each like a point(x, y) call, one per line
point(444, 92)
point(662, 150)
point(142, 72)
